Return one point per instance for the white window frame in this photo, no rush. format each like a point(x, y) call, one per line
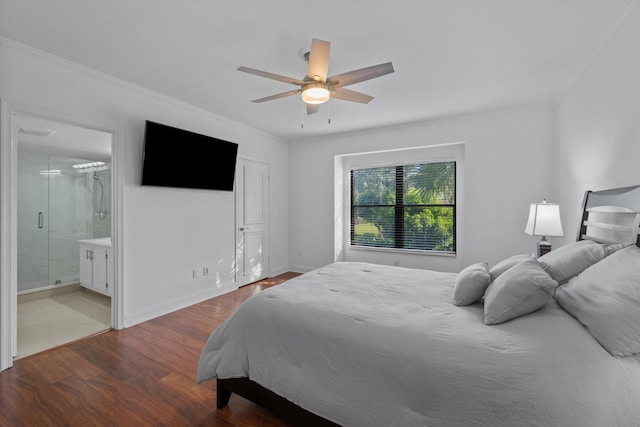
point(343, 250)
point(395, 207)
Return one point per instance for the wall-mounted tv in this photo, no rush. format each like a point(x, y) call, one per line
point(178, 158)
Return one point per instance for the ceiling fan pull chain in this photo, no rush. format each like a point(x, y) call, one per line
point(329, 108)
point(302, 108)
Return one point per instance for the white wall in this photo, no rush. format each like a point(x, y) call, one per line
point(167, 232)
point(508, 164)
point(598, 124)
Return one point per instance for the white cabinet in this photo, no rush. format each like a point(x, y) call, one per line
point(86, 264)
point(96, 267)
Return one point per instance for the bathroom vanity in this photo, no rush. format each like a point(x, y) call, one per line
point(96, 266)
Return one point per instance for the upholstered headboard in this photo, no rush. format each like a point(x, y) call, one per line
point(611, 216)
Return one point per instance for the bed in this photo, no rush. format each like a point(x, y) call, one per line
point(358, 344)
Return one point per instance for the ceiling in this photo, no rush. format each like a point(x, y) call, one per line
point(53, 137)
point(451, 57)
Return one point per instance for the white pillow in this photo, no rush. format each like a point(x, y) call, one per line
point(606, 299)
point(520, 290)
point(608, 250)
point(471, 284)
point(506, 264)
point(570, 260)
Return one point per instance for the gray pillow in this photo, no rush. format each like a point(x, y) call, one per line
point(471, 284)
point(522, 289)
point(606, 299)
point(506, 264)
point(570, 260)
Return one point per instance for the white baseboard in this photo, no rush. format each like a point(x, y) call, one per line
point(301, 268)
point(161, 310)
point(279, 270)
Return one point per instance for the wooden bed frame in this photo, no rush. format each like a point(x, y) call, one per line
point(608, 216)
point(266, 398)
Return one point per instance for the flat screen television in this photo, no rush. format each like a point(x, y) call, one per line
point(175, 157)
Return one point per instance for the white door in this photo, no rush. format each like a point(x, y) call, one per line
point(86, 265)
point(100, 269)
point(252, 210)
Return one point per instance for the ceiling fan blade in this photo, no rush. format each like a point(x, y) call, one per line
point(312, 108)
point(351, 95)
point(318, 60)
point(278, 96)
point(361, 75)
point(271, 76)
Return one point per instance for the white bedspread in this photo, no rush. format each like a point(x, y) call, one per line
point(370, 345)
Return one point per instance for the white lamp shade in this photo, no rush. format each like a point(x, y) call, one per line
point(544, 220)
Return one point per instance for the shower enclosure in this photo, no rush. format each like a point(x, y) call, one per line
point(60, 200)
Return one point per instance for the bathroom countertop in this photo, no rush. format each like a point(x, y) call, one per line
point(102, 241)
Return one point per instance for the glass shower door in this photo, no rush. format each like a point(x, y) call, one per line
point(69, 220)
point(33, 228)
point(55, 210)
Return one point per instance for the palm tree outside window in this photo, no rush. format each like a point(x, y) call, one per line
point(406, 207)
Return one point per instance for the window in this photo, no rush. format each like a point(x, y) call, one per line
point(405, 207)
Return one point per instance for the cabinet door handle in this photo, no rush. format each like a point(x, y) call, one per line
point(40, 220)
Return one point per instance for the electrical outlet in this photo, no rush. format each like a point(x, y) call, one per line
point(205, 271)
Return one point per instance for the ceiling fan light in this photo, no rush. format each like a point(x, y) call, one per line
point(315, 93)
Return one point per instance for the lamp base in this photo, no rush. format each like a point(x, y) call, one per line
point(543, 247)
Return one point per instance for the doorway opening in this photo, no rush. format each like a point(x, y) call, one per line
point(63, 203)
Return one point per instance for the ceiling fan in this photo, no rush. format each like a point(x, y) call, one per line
point(316, 88)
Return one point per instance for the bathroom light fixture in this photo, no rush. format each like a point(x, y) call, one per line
point(88, 165)
point(315, 93)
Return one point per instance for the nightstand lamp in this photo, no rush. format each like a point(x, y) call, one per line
point(544, 220)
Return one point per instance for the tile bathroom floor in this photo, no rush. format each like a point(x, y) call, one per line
point(50, 318)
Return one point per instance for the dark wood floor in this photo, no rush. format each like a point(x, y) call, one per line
point(140, 376)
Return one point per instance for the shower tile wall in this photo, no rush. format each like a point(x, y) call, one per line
point(102, 227)
point(49, 255)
